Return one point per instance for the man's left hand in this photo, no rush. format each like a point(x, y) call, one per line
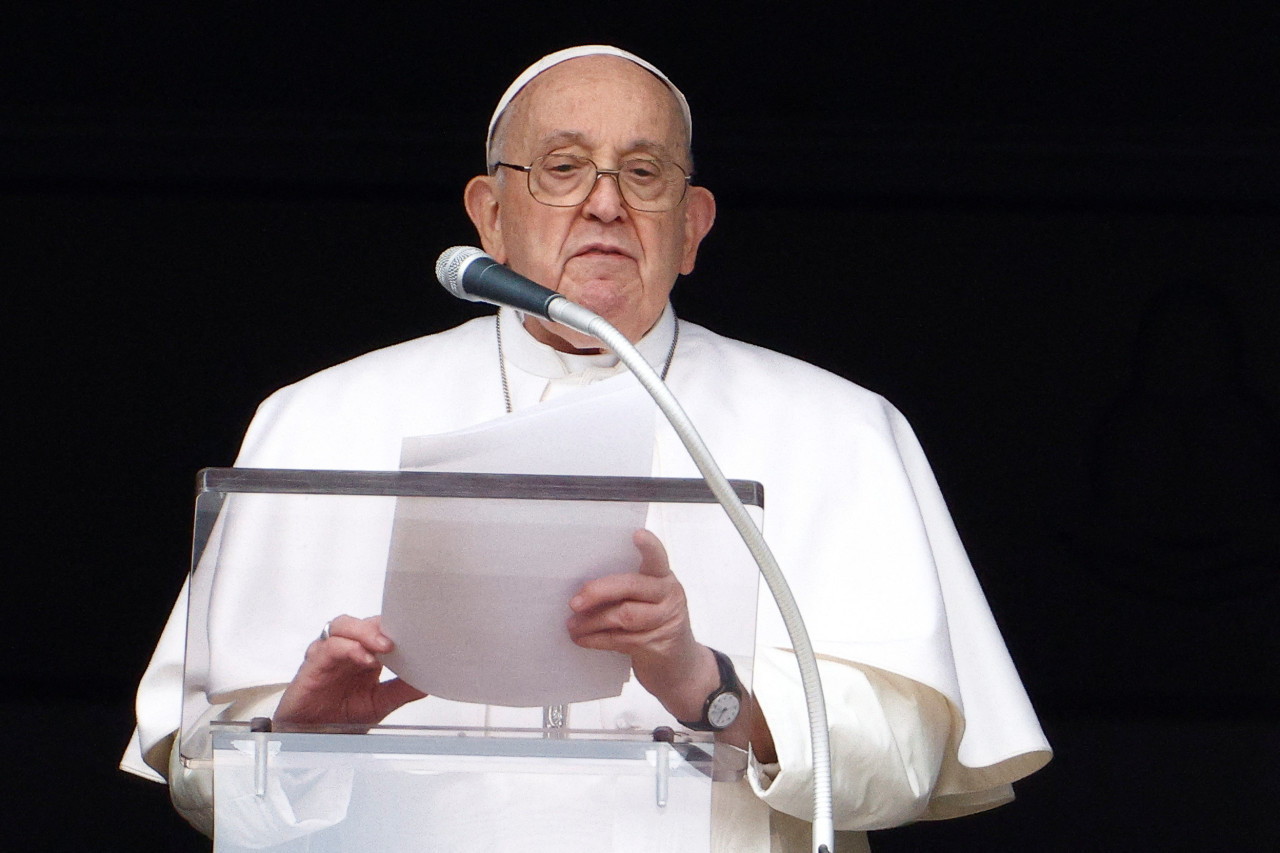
point(644, 614)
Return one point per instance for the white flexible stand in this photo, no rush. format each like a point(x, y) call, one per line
point(580, 319)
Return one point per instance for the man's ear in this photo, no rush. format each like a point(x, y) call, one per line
point(699, 216)
point(481, 200)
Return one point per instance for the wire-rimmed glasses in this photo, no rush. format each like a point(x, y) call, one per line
point(566, 180)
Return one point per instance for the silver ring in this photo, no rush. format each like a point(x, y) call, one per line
point(324, 632)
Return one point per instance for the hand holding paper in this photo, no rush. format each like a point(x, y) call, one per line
point(645, 615)
point(477, 591)
point(338, 680)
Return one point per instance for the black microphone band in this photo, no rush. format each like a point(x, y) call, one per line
point(486, 279)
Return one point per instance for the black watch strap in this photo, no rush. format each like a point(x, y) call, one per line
point(730, 686)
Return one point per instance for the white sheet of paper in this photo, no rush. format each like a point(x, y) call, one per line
point(477, 591)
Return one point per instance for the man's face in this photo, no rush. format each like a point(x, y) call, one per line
point(618, 262)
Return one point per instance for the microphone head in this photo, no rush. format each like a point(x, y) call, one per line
point(452, 263)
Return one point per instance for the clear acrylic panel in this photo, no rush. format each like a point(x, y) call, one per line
point(507, 753)
point(279, 553)
point(459, 791)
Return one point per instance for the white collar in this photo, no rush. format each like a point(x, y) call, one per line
point(527, 353)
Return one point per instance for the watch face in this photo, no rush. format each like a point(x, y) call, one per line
point(723, 710)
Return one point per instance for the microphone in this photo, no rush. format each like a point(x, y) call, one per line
point(470, 274)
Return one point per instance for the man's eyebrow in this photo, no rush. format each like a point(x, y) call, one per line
point(652, 146)
point(560, 139)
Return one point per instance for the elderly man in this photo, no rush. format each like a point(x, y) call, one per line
point(588, 192)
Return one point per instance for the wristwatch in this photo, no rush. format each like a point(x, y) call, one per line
point(725, 702)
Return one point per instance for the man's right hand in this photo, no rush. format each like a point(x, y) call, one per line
point(338, 680)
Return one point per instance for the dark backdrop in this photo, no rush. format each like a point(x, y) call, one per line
point(1047, 234)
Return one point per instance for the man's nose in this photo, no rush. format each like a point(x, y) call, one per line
point(605, 199)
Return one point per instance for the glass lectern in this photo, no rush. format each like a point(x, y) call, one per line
point(525, 741)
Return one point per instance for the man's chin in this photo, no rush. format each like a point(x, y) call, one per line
point(605, 297)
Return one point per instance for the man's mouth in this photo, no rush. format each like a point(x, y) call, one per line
point(601, 251)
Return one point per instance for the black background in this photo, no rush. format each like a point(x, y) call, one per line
point(1048, 233)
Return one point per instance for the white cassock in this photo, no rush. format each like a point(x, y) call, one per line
point(928, 716)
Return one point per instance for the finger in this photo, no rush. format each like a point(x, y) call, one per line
point(626, 642)
point(327, 656)
point(655, 640)
point(653, 556)
point(605, 641)
point(394, 693)
point(615, 589)
point(629, 617)
point(366, 632)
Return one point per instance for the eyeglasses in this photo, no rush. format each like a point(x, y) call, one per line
point(566, 180)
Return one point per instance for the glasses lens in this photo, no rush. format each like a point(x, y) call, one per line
point(651, 184)
point(561, 179)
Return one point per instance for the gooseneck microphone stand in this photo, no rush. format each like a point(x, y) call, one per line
point(469, 273)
